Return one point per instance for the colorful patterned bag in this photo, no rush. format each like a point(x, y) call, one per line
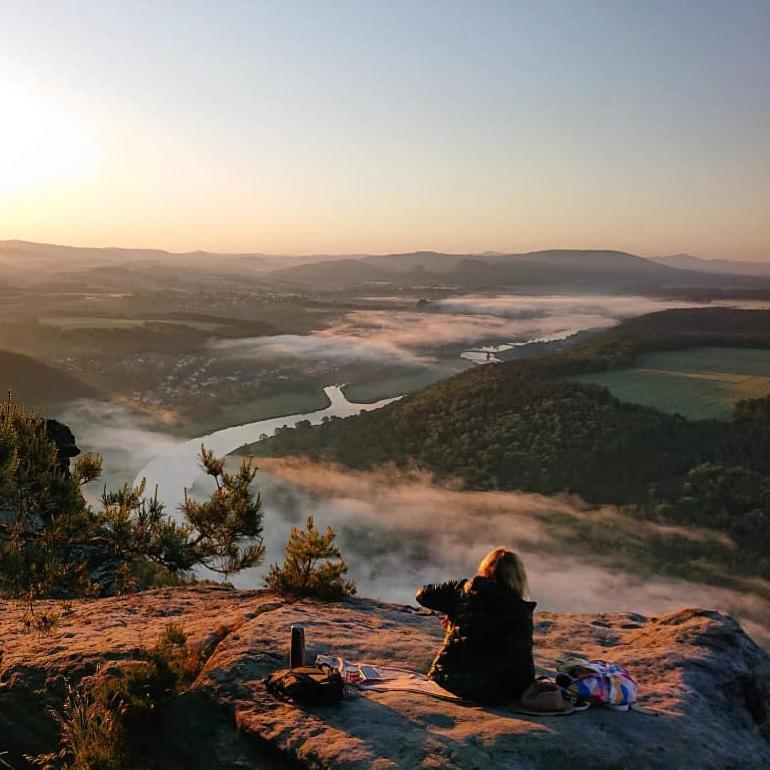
point(597, 682)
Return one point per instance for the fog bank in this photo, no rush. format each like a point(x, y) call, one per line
point(401, 530)
point(411, 336)
point(125, 438)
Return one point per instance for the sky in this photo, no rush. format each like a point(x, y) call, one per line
point(350, 126)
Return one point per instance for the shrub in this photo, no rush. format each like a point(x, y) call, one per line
point(313, 566)
point(113, 720)
point(91, 735)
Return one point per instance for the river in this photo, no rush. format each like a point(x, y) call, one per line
point(487, 353)
point(398, 531)
point(177, 467)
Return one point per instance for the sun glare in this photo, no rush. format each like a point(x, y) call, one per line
point(42, 143)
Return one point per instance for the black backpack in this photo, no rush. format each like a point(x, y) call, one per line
point(307, 685)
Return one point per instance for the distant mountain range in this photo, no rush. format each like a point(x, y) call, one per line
point(727, 266)
point(25, 258)
point(584, 270)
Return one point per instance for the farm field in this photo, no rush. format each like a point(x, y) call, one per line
point(99, 322)
point(702, 383)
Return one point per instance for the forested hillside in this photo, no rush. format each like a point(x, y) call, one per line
point(39, 384)
point(525, 425)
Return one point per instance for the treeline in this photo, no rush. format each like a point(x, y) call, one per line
point(525, 425)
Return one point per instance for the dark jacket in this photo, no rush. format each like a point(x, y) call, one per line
point(487, 652)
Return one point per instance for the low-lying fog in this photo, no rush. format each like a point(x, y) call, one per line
point(397, 531)
point(412, 336)
point(400, 530)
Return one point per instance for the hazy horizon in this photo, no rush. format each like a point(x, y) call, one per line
point(298, 128)
point(359, 253)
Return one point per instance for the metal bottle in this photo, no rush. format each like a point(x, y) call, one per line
point(297, 648)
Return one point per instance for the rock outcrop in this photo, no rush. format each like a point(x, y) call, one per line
point(64, 438)
point(704, 679)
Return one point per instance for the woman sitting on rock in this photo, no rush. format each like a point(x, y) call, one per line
point(487, 651)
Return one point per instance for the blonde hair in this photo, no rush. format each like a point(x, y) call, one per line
point(506, 568)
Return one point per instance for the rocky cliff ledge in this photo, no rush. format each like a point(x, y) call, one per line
point(708, 683)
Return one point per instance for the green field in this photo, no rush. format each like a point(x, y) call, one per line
point(99, 322)
point(701, 383)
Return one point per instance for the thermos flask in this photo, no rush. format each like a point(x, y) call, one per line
point(297, 649)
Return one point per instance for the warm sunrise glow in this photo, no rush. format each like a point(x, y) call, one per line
point(42, 144)
point(339, 127)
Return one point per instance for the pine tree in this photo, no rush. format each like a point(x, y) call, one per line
point(313, 566)
point(43, 516)
point(229, 524)
point(52, 543)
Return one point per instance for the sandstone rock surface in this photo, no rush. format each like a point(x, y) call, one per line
point(707, 682)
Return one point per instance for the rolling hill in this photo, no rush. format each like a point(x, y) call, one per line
point(529, 425)
point(26, 259)
point(333, 274)
point(525, 424)
point(38, 385)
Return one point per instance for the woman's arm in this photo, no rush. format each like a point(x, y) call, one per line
point(440, 596)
